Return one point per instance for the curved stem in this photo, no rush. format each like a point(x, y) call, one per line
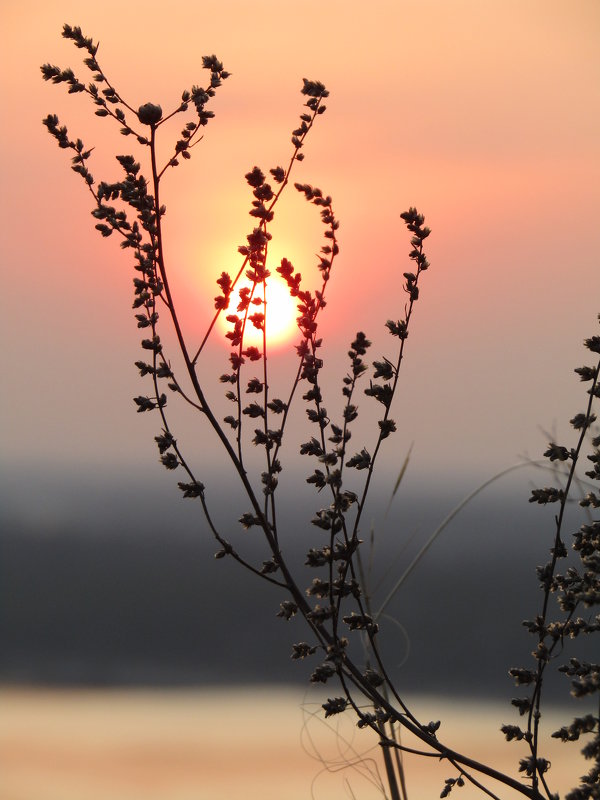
point(445, 522)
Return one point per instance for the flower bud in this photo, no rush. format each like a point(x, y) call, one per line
point(149, 114)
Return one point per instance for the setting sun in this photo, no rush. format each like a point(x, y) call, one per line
point(280, 314)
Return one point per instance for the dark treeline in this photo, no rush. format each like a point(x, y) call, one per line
point(145, 603)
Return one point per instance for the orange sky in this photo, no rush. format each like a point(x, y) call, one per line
point(483, 114)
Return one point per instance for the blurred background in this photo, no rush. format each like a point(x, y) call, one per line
point(116, 623)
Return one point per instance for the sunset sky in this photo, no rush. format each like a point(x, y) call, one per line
point(485, 115)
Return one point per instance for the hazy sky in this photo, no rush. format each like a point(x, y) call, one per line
point(484, 114)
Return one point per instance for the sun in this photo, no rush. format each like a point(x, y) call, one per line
point(280, 314)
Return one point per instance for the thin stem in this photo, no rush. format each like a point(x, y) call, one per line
point(284, 183)
point(445, 522)
point(370, 470)
point(389, 768)
point(534, 711)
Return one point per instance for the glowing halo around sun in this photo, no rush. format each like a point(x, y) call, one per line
point(281, 314)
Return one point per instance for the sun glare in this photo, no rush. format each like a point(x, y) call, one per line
point(280, 315)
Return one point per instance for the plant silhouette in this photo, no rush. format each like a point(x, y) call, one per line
point(340, 625)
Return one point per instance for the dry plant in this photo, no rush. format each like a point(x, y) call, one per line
point(335, 608)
